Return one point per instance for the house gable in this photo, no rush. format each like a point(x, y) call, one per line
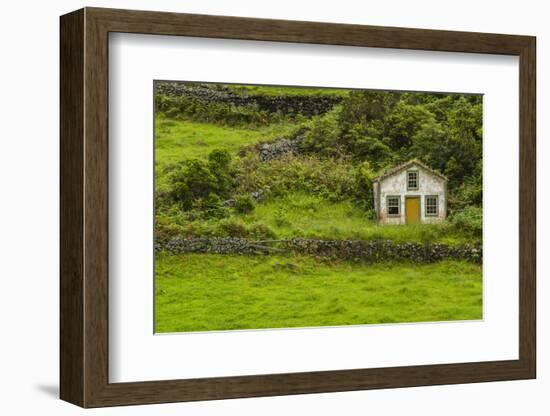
point(411, 164)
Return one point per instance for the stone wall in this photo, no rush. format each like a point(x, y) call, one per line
point(358, 250)
point(279, 148)
point(308, 105)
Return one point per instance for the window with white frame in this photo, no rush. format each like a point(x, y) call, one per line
point(394, 205)
point(412, 180)
point(432, 205)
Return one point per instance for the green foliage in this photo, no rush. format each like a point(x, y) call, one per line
point(371, 149)
point(364, 176)
point(333, 179)
point(197, 184)
point(219, 160)
point(244, 204)
point(383, 128)
point(323, 135)
point(469, 221)
point(403, 123)
point(192, 181)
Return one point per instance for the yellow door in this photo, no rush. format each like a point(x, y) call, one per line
point(412, 210)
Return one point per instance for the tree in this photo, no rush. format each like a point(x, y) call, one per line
point(403, 123)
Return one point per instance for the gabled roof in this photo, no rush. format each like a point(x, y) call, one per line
point(405, 165)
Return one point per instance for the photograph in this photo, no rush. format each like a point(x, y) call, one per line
point(283, 206)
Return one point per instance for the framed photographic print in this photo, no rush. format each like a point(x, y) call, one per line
point(255, 207)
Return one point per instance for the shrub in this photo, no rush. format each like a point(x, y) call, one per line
point(244, 204)
point(469, 193)
point(210, 207)
point(192, 181)
point(469, 221)
point(200, 185)
point(219, 160)
point(323, 135)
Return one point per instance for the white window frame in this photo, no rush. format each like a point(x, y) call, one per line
point(413, 188)
point(428, 214)
point(388, 197)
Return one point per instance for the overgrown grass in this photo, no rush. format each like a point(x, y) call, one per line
point(301, 215)
point(203, 292)
point(309, 216)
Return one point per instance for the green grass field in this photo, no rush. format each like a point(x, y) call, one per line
point(177, 140)
point(212, 292)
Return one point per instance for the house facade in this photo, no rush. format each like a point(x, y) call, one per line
point(411, 193)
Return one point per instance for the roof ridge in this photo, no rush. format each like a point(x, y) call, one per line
point(402, 166)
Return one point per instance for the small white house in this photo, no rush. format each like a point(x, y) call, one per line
point(411, 193)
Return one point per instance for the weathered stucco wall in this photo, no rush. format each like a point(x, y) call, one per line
point(396, 185)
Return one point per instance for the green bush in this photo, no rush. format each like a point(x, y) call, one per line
point(210, 207)
point(201, 185)
point(191, 182)
point(244, 204)
point(469, 221)
point(219, 160)
point(323, 135)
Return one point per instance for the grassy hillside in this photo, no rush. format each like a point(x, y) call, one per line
point(214, 292)
point(295, 214)
point(212, 181)
point(183, 139)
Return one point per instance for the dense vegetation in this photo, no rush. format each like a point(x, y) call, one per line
point(268, 163)
point(206, 156)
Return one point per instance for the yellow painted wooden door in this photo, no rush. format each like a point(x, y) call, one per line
point(412, 210)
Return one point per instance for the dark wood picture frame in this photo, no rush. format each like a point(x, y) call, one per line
point(84, 207)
